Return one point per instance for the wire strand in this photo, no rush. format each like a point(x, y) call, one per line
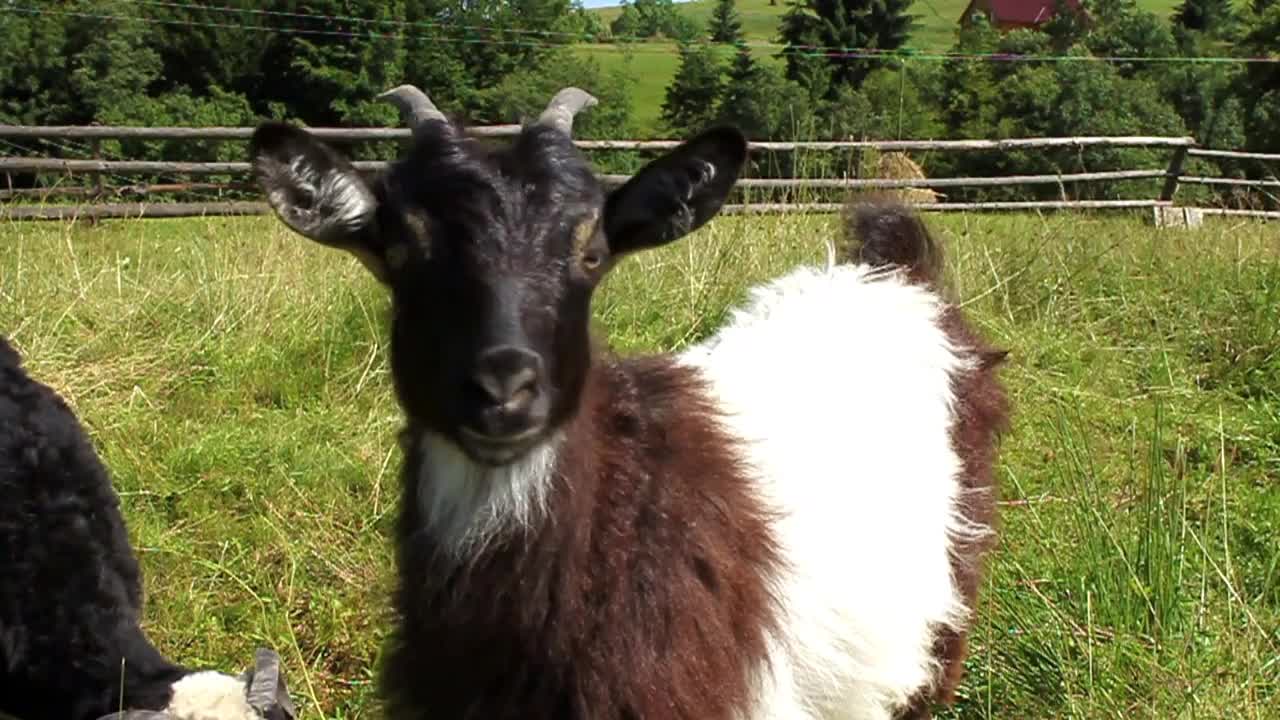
point(359, 20)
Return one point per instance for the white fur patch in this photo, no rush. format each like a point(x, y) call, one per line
point(210, 696)
point(839, 381)
point(339, 202)
point(350, 202)
point(467, 505)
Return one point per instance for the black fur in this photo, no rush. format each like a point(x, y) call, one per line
point(485, 248)
point(881, 232)
point(70, 586)
point(480, 233)
point(489, 250)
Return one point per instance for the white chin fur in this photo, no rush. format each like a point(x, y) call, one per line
point(467, 504)
point(210, 696)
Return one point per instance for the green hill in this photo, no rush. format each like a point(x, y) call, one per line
point(654, 63)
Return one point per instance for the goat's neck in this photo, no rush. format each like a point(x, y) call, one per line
point(467, 508)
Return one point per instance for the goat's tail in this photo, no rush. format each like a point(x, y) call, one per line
point(883, 232)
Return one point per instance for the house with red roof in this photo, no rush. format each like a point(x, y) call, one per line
point(1013, 14)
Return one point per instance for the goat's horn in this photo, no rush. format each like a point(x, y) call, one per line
point(415, 107)
point(567, 103)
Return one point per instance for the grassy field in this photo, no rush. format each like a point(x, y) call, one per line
point(655, 63)
point(235, 378)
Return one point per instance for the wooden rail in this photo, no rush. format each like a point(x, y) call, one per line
point(917, 145)
point(1232, 154)
point(102, 201)
point(217, 209)
point(1268, 214)
point(136, 210)
point(1229, 181)
point(127, 167)
point(1004, 180)
point(768, 208)
point(139, 189)
point(117, 132)
point(142, 167)
point(78, 132)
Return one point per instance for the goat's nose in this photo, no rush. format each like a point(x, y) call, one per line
point(507, 377)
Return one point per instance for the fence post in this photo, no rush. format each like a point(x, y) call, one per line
point(95, 148)
point(1169, 216)
point(1173, 173)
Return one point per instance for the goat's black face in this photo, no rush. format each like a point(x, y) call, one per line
point(489, 341)
point(491, 257)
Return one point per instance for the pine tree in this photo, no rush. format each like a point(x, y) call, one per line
point(114, 68)
point(205, 54)
point(1262, 39)
point(1065, 28)
point(35, 51)
point(725, 25)
point(690, 103)
point(848, 24)
point(432, 60)
point(743, 68)
point(737, 90)
point(324, 79)
point(1208, 16)
point(799, 30)
point(627, 24)
point(759, 101)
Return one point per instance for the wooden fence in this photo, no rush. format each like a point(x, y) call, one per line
point(137, 200)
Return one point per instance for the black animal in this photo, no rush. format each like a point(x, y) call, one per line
point(71, 647)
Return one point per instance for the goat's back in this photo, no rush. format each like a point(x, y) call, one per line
point(870, 413)
point(70, 586)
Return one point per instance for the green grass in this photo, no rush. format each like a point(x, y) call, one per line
point(235, 378)
point(655, 63)
point(651, 67)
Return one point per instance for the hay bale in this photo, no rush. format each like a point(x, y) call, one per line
point(898, 166)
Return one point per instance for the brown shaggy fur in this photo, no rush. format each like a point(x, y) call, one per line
point(642, 596)
point(884, 233)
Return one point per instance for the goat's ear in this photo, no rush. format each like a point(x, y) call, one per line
point(675, 194)
point(315, 191)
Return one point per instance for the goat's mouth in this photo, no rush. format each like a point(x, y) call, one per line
point(498, 451)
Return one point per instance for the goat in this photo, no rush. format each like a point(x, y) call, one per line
point(71, 647)
point(785, 521)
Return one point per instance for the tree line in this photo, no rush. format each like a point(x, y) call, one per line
point(1120, 70)
point(322, 62)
